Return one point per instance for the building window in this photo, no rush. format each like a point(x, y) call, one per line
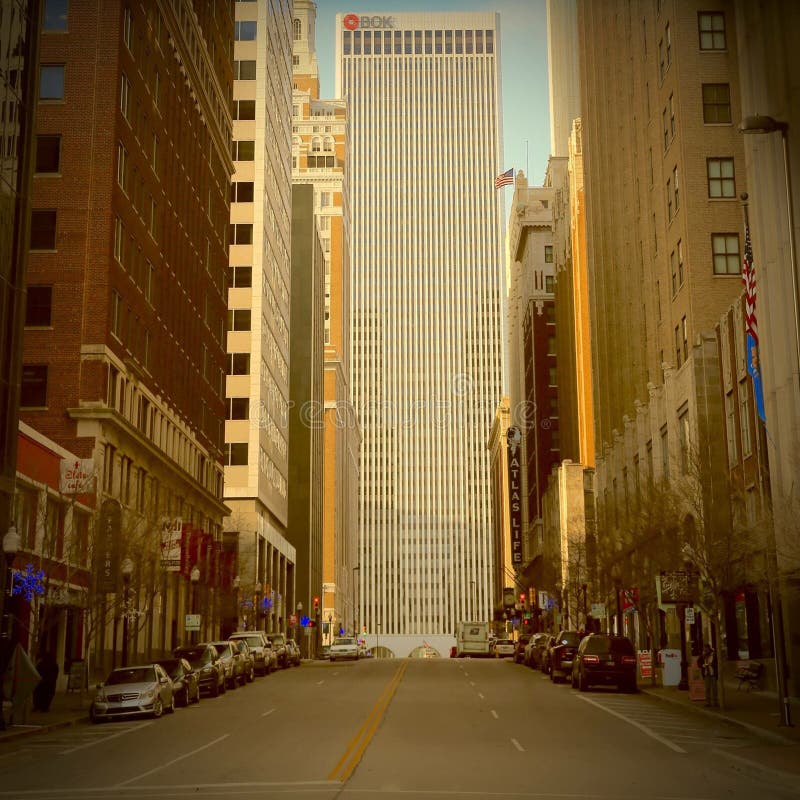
point(744, 418)
point(548, 254)
point(665, 125)
point(711, 26)
point(721, 182)
point(156, 88)
point(665, 452)
point(38, 306)
point(33, 393)
point(673, 262)
point(669, 199)
point(668, 44)
point(122, 167)
point(238, 363)
point(239, 319)
point(716, 103)
point(680, 263)
point(242, 192)
point(241, 233)
point(662, 67)
point(48, 154)
point(675, 188)
point(730, 428)
point(549, 284)
point(295, 61)
point(244, 109)
point(324, 199)
point(124, 96)
point(725, 251)
point(55, 15)
point(244, 150)
point(239, 408)
point(685, 338)
point(119, 241)
point(244, 31)
point(552, 377)
point(116, 315)
point(127, 28)
point(244, 70)
point(236, 454)
point(678, 349)
point(297, 30)
point(51, 82)
point(241, 277)
point(43, 229)
point(683, 431)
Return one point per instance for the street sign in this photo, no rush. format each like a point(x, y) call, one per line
point(293, 619)
point(192, 622)
point(645, 664)
point(689, 615)
point(598, 610)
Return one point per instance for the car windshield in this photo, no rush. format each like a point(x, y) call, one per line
point(599, 645)
point(277, 638)
point(172, 666)
point(504, 641)
point(569, 638)
point(252, 641)
point(131, 675)
point(344, 641)
point(224, 650)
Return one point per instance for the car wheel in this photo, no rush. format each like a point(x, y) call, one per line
point(629, 687)
point(583, 683)
point(232, 682)
point(171, 707)
point(158, 708)
point(197, 692)
point(332, 659)
point(223, 686)
point(184, 701)
point(93, 715)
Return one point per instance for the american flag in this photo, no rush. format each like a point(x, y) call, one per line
point(750, 322)
point(504, 179)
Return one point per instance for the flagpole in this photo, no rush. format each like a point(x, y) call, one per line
point(773, 574)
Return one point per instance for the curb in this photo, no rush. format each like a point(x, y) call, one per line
point(774, 738)
point(779, 777)
point(12, 735)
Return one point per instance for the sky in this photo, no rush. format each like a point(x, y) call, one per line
point(523, 53)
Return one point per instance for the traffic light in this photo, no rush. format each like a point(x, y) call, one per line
point(316, 605)
point(522, 598)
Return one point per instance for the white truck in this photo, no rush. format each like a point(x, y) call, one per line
point(472, 639)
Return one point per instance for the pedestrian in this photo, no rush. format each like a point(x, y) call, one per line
point(707, 661)
point(47, 667)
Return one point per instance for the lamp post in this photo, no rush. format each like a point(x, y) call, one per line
point(127, 571)
point(330, 629)
point(357, 567)
point(258, 588)
point(194, 577)
point(11, 543)
point(763, 125)
point(297, 624)
point(237, 582)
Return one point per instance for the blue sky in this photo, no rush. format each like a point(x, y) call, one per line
point(523, 31)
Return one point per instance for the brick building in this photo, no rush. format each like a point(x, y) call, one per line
point(124, 359)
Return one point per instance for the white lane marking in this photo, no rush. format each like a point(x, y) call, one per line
point(472, 683)
point(319, 683)
point(267, 713)
point(174, 761)
point(494, 714)
point(105, 738)
point(481, 696)
point(644, 728)
point(335, 673)
point(517, 745)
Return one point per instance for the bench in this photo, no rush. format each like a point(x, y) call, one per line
point(748, 674)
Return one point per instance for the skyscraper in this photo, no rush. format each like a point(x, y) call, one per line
point(424, 106)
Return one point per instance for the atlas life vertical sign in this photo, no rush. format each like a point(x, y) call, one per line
point(514, 439)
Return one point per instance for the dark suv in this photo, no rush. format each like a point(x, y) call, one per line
point(561, 653)
point(278, 642)
point(605, 659)
point(206, 662)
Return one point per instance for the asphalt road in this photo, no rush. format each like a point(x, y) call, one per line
point(437, 728)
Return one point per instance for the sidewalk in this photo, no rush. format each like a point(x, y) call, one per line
point(757, 712)
point(66, 709)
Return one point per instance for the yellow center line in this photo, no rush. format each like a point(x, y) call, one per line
point(359, 743)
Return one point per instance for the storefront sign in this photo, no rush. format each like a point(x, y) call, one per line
point(514, 439)
point(697, 686)
point(192, 622)
point(689, 611)
point(76, 476)
point(353, 21)
point(645, 664)
point(171, 529)
point(108, 546)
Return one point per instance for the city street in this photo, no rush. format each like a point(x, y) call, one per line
point(418, 728)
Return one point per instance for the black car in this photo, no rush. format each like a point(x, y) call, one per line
point(603, 658)
point(205, 661)
point(185, 680)
point(519, 648)
point(561, 654)
point(278, 642)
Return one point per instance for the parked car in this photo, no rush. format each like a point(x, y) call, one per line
point(603, 658)
point(204, 659)
point(278, 642)
point(562, 653)
point(259, 647)
point(293, 653)
point(248, 673)
point(185, 680)
point(535, 649)
point(344, 647)
point(324, 652)
point(131, 691)
point(502, 648)
point(232, 663)
point(519, 648)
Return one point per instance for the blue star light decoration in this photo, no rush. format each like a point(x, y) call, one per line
point(266, 604)
point(28, 583)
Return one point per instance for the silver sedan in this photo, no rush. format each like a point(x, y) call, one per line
point(130, 691)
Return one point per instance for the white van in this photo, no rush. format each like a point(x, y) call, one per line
point(472, 639)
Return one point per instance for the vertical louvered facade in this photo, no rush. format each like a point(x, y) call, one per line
point(424, 107)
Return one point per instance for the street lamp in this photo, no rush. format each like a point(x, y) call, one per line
point(194, 577)
point(127, 571)
point(297, 623)
point(257, 610)
point(236, 583)
point(357, 567)
point(11, 543)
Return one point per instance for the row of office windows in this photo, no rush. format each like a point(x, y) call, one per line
point(418, 42)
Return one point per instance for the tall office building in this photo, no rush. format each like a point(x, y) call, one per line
point(257, 388)
point(423, 94)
